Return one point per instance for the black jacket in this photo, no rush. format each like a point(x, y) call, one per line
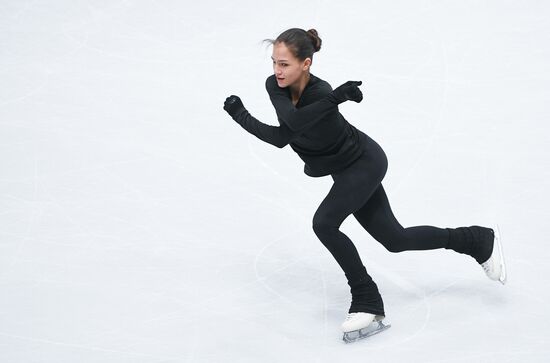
point(314, 128)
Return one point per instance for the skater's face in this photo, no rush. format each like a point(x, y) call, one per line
point(287, 68)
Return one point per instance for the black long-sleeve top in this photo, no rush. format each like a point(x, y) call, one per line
point(314, 128)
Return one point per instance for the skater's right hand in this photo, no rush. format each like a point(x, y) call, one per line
point(348, 91)
point(233, 105)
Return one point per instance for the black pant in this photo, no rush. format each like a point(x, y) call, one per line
point(358, 190)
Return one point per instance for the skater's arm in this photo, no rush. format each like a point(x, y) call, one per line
point(301, 119)
point(278, 136)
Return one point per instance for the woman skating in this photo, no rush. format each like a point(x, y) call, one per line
point(310, 122)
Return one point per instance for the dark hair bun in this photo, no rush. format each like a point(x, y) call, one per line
point(314, 36)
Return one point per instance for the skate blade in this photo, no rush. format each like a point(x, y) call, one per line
point(503, 276)
point(373, 328)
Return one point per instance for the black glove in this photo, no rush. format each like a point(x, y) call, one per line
point(348, 91)
point(233, 105)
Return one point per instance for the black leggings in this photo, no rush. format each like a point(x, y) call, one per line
point(358, 190)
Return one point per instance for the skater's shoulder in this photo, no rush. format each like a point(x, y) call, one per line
point(318, 82)
point(270, 79)
point(271, 83)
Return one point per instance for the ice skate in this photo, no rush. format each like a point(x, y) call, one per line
point(494, 267)
point(362, 325)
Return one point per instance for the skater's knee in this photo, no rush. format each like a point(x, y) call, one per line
point(319, 222)
point(395, 244)
point(395, 247)
point(323, 226)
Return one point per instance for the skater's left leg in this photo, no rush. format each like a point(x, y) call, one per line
point(377, 218)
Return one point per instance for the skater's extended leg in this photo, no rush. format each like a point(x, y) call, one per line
point(377, 218)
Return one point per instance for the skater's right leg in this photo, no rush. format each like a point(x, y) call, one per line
point(351, 189)
point(326, 225)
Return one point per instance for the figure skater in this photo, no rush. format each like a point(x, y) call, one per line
point(310, 122)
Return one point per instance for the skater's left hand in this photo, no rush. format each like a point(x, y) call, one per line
point(348, 91)
point(232, 105)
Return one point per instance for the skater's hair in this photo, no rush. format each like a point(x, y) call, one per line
point(302, 44)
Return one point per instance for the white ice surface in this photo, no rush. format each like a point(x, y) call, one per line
point(140, 223)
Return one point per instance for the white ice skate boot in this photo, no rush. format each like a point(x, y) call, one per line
point(494, 267)
point(361, 325)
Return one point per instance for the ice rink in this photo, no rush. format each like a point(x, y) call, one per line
point(140, 223)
